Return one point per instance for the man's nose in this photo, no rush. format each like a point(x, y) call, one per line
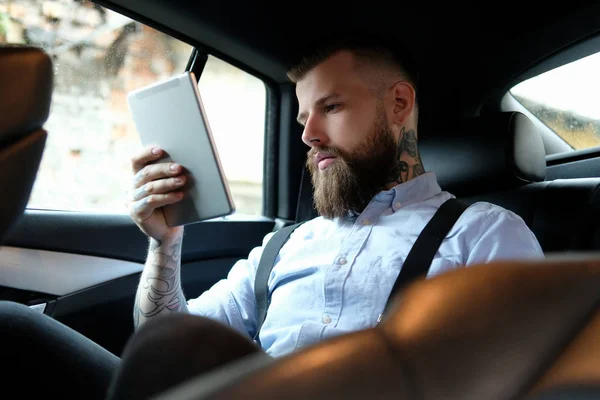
point(314, 133)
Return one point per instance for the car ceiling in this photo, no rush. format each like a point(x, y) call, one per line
point(467, 54)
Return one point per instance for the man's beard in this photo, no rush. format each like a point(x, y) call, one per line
point(351, 181)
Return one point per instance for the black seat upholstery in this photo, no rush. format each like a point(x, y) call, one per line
point(562, 213)
point(502, 151)
point(26, 82)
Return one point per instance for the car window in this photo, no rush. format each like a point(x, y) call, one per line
point(99, 56)
point(567, 100)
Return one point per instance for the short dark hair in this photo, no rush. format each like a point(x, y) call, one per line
point(365, 48)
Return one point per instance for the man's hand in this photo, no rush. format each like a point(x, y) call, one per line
point(154, 186)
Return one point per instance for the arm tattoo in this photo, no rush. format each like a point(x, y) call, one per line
point(155, 244)
point(162, 285)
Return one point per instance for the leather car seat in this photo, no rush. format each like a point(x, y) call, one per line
point(26, 83)
point(506, 330)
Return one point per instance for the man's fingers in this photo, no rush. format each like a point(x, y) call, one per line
point(143, 209)
point(154, 172)
point(145, 156)
point(158, 187)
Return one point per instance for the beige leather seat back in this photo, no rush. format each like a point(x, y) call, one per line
point(499, 331)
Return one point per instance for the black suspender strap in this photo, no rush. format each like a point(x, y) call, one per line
point(265, 265)
point(421, 255)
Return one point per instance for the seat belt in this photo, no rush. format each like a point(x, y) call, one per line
point(417, 262)
point(265, 265)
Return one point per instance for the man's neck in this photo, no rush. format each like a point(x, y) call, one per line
point(409, 164)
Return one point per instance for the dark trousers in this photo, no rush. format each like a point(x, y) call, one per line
point(46, 358)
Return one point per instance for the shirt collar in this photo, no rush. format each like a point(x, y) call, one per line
point(413, 191)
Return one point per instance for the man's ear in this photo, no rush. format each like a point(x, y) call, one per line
point(401, 104)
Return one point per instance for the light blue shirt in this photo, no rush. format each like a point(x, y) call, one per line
point(334, 276)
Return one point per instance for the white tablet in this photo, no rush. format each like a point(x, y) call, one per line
point(170, 114)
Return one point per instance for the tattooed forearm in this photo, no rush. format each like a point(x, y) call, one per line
point(408, 162)
point(160, 286)
point(154, 245)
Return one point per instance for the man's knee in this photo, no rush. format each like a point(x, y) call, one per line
point(181, 333)
point(15, 316)
point(10, 307)
point(171, 349)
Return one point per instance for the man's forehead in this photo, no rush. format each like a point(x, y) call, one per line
point(331, 75)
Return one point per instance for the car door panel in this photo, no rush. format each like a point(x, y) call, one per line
point(116, 236)
point(86, 267)
point(56, 273)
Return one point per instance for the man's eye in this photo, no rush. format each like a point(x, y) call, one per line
point(331, 107)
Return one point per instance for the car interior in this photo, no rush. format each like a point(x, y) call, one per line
point(501, 331)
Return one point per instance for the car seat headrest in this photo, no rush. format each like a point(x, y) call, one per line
point(488, 153)
point(26, 83)
point(26, 80)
